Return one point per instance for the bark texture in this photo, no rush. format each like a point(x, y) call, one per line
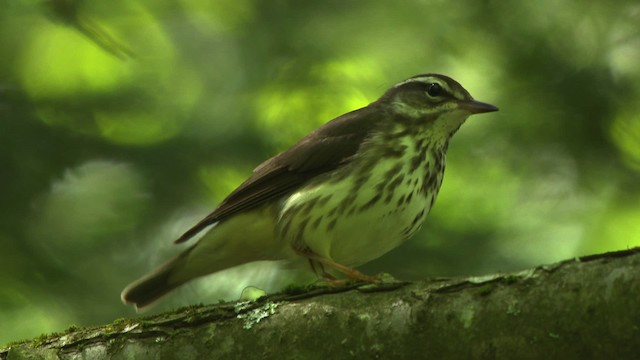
point(584, 308)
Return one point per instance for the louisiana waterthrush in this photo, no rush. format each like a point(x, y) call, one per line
point(345, 194)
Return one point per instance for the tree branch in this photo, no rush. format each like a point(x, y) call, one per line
point(583, 308)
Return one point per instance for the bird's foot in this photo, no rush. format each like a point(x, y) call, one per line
point(318, 264)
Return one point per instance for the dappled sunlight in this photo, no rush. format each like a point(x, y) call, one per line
point(533, 217)
point(136, 127)
point(220, 181)
point(625, 132)
point(123, 123)
point(290, 111)
point(625, 48)
point(88, 205)
point(616, 229)
point(60, 62)
point(219, 15)
point(33, 313)
point(134, 100)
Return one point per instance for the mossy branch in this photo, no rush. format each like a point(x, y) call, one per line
point(584, 308)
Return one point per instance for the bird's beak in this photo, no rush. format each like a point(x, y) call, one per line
point(476, 107)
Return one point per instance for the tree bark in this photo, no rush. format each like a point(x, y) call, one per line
point(584, 308)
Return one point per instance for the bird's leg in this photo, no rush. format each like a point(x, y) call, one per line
point(318, 261)
point(319, 270)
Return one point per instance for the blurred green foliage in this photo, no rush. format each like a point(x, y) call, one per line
point(123, 122)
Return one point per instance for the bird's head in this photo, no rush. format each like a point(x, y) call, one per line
point(432, 100)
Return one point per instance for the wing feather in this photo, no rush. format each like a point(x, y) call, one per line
point(323, 150)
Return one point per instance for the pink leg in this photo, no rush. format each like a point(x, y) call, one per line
point(318, 261)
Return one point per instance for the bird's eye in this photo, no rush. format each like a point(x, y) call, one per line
point(434, 90)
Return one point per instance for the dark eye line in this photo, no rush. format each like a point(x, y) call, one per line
point(424, 87)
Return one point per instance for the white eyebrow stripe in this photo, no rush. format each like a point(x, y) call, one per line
point(433, 79)
point(428, 80)
point(423, 79)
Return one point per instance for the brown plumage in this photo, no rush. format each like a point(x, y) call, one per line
point(380, 165)
point(323, 150)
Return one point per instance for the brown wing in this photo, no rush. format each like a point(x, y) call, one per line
point(323, 150)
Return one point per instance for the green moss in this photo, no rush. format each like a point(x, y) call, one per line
point(189, 308)
point(42, 339)
point(13, 344)
point(146, 323)
point(294, 289)
point(511, 279)
point(486, 289)
point(122, 321)
point(513, 308)
point(71, 328)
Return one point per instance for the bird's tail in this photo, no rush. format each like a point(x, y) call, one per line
point(246, 237)
point(151, 287)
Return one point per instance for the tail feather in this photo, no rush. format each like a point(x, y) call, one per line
point(151, 287)
point(246, 237)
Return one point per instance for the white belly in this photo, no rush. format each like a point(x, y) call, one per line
point(333, 219)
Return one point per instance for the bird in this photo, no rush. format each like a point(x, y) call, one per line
point(347, 193)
